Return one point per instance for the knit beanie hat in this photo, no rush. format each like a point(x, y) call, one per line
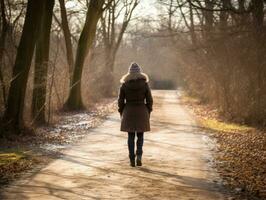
point(134, 68)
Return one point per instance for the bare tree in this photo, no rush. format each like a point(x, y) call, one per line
point(67, 36)
point(87, 35)
point(259, 34)
point(3, 35)
point(41, 65)
point(112, 36)
point(13, 116)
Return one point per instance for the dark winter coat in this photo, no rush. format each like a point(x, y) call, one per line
point(135, 103)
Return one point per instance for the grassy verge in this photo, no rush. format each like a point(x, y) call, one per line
point(241, 151)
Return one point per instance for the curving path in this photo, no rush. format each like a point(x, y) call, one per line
point(176, 163)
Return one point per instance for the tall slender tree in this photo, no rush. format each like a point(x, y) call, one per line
point(13, 116)
point(95, 10)
point(4, 30)
point(259, 36)
point(67, 36)
point(41, 64)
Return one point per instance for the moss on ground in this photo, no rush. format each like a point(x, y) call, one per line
point(227, 127)
point(7, 157)
point(13, 162)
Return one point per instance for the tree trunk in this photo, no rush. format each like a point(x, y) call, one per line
point(95, 10)
point(170, 16)
point(192, 26)
point(224, 15)
point(2, 48)
point(13, 116)
point(41, 65)
point(67, 36)
point(258, 16)
point(209, 20)
point(107, 75)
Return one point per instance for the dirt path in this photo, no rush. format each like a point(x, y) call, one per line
point(176, 163)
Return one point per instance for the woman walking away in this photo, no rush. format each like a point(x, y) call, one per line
point(135, 105)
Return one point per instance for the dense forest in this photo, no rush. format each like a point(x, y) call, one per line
point(61, 55)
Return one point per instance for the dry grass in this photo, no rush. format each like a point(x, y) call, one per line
point(10, 157)
point(226, 127)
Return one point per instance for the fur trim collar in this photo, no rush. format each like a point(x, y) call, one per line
point(134, 76)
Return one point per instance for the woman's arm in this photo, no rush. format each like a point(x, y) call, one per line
point(121, 99)
point(149, 99)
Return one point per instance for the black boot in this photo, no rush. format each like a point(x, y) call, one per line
point(132, 161)
point(139, 163)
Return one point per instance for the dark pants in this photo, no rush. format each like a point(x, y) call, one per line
point(131, 144)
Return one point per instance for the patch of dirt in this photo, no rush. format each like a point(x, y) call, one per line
point(241, 154)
